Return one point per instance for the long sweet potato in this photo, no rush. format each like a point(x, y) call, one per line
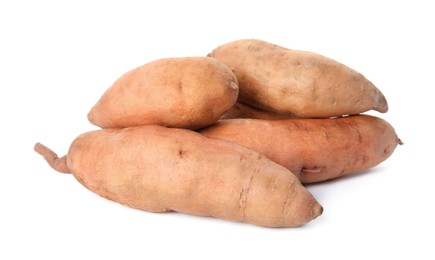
point(314, 149)
point(298, 83)
point(159, 169)
point(190, 92)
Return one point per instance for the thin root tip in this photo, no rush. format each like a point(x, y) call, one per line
point(399, 141)
point(58, 164)
point(38, 147)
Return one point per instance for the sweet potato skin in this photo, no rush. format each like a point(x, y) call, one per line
point(188, 92)
point(314, 149)
point(160, 169)
point(298, 83)
point(240, 110)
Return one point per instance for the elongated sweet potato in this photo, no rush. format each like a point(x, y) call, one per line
point(297, 83)
point(314, 149)
point(240, 110)
point(159, 169)
point(189, 92)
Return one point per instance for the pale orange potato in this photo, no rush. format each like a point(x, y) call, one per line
point(190, 92)
point(297, 83)
point(160, 169)
point(314, 149)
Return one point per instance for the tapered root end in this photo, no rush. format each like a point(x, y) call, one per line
point(58, 164)
point(91, 116)
point(381, 102)
point(317, 210)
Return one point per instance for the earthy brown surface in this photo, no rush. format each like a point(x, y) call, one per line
point(314, 149)
point(159, 169)
point(297, 83)
point(189, 92)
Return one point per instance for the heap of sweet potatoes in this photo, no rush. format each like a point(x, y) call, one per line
point(233, 135)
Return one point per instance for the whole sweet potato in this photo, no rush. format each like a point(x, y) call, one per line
point(314, 149)
point(160, 169)
point(298, 83)
point(189, 92)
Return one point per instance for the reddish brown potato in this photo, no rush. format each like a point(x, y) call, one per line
point(314, 149)
point(189, 92)
point(297, 83)
point(159, 169)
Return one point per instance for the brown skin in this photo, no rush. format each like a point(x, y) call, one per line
point(189, 92)
point(160, 169)
point(240, 110)
point(314, 149)
point(297, 83)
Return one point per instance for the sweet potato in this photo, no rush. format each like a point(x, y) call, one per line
point(160, 169)
point(240, 110)
point(314, 149)
point(297, 83)
point(189, 92)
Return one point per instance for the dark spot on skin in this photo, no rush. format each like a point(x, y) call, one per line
point(296, 62)
point(180, 86)
point(181, 153)
point(284, 91)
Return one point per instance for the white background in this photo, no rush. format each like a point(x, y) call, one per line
point(57, 58)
